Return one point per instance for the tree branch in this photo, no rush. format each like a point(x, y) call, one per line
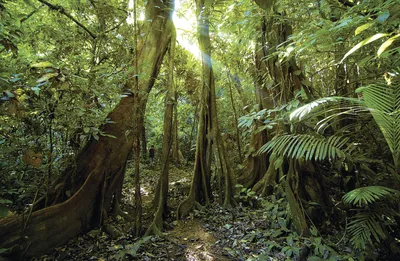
point(62, 10)
point(30, 14)
point(115, 27)
point(346, 3)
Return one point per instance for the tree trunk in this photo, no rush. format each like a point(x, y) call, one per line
point(144, 140)
point(98, 174)
point(208, 131)
point(255, 166)
point(52, 226)
point(236, 120)
point(175, 139)
point(160, 199)
point(296, 209)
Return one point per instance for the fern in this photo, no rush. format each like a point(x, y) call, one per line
point(363, 226)
point(305, 146)
point(366, 195)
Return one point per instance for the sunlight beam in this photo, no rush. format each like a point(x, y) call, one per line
point(185, 23)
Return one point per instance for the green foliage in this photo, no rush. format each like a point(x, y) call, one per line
point(367, 195)
point(56, 81)
point(383, 101)
point(305, 146)
point(365, 226)
point(370, 224)
point(265, 232)
point(324, 106)
point(246, 196)
point(364, 42)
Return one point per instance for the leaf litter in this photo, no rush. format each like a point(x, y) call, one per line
point(246, 232)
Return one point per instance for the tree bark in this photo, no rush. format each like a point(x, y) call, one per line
point(175, 139)
point(255, 166)
point(208, 130)
point(156, 226)
point(235, 114)
point(97, 177)
point(52, 226)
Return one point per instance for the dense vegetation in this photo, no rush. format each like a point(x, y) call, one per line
point(286, 114)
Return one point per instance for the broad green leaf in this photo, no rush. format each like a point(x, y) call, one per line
point(313, 231)
point(386, 44)
point(383, 17)
point(345, 22)
point(4, 83)
point(42, 65)
point(363, 27)
point(362, 43)
point(36, 90)
point(46, 77)
point(108, 135)
point(278, 163)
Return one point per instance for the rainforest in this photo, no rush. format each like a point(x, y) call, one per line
point(200, 130)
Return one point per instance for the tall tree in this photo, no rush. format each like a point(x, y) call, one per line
point(160, 198)
point(208, 134)
point(98, 176)
point(277, 82)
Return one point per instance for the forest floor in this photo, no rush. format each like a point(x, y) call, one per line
point(213, 233)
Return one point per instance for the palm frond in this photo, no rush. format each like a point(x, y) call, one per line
point(366, 195)
point(305, 146)
point(363, 227)
point(320, 105)
point(383, 101)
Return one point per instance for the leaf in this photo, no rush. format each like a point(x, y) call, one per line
point(362, 43)
point(29, 2)
point(278, 163)
point(227, 226)
point(3, 211)
point(42, 65)
point(86, 129)
point(313, 231)
point(386, 44)
point(4, 83)
point(132, 249)
point(303, 145)
point(343, 23)
point(2, 250)
point(367, 195)
point(46, 77)
point(289, 240)
point(5, 201)
point(383, 101)
point(363, 28)
point(363, 227)
point(383, 17)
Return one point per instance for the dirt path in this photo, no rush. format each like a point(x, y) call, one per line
point(198, 242)
point(184, 240)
